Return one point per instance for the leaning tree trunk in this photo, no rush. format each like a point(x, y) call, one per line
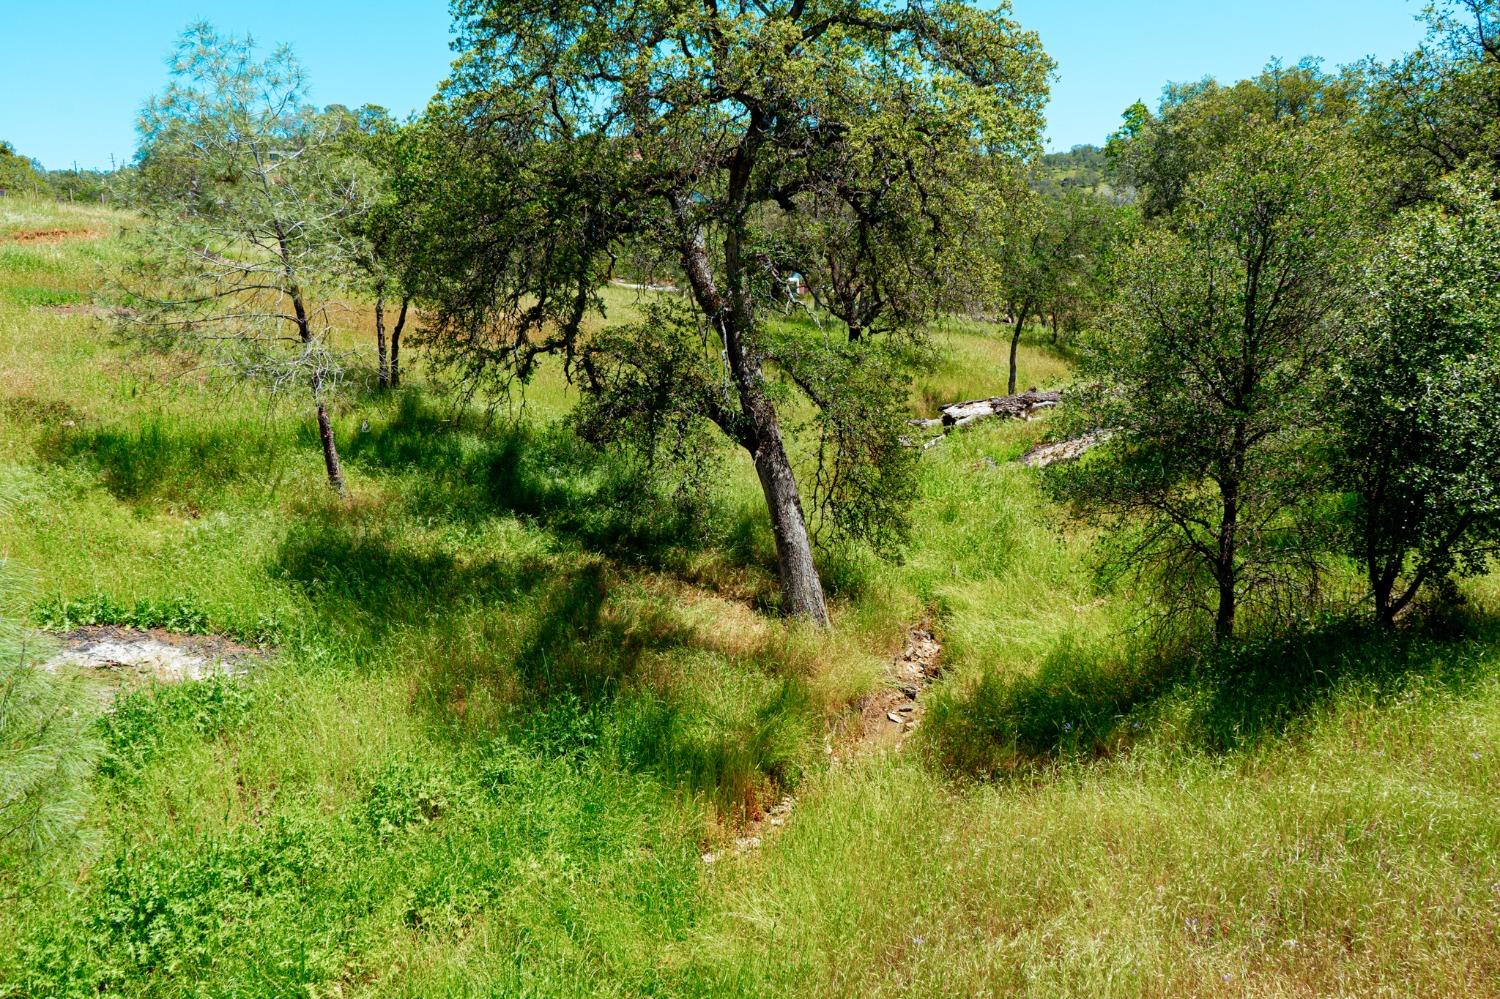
point(395, 373)
point(757, 427)
point(330, 450)
point(325, 428)
point(801, 589)
point(383, 372)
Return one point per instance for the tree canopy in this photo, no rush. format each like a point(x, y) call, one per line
point(873, 132)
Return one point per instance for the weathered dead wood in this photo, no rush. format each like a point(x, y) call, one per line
point(1016, 407)
point(1069, 450)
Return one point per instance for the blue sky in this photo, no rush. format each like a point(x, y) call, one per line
point(74, 72)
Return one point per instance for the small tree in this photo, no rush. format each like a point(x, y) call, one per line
point(1417, 411)
point(1209, 371)
point(247, 205)
point(1054, 260)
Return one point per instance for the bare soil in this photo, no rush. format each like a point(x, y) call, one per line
point(115, 659)
point(51, 235)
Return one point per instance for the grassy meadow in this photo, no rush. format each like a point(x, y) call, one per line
point(504, 714)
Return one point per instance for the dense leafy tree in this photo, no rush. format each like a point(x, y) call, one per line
point(1210, 368)
point(246, 201)
point(570, 133)
point(1159, 154)
point(1438, 109)
point(1417, 432)
point(18, 175)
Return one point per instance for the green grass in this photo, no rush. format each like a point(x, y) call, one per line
point(506, 713)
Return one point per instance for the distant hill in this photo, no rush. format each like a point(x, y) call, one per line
point(1082, 168)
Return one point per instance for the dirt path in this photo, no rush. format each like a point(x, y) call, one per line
point(886, 717)
point(892, 713)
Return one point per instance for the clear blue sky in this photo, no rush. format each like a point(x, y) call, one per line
point(74, 72)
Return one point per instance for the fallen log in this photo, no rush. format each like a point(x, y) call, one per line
point(1069, 450)
point(1015, 407)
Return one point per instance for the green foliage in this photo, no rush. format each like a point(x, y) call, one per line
point(46, 757)
point(149, 722)
point(1433, 110)
point(17, 174)
point(1160, 154)
point(179, 615)
point(405, 794)
point(1417, 442)
point(1209, 372)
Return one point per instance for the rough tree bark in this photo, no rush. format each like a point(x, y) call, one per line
point(330, 451)
point(383, 372)
point(395, 371)
point(757, 428)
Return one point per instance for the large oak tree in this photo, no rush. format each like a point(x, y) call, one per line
point(572, 132)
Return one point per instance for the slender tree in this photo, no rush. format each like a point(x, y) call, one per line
point(579, 130)
point(1417, 438)
point(1210, 371)
point(246, 208)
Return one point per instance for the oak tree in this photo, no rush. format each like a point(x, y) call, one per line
point(570, 133)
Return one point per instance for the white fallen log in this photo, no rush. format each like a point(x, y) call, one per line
point(1015, 407)
point(1069, 450)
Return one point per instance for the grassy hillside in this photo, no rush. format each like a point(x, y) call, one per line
point(504, 716)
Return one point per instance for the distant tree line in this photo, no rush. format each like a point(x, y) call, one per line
point(22, 176)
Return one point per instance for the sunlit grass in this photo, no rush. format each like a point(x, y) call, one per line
point(505, 715)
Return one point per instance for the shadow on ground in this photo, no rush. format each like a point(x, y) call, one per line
point(1087, 702)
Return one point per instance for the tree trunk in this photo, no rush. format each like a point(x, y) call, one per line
point(383, 373)
point(756, 426)
point(1015, 345)
point(1382, 586)
point(330, 452)
point(801, 589)
point(395, 373)
point(1224, 621)
point(1224, 568)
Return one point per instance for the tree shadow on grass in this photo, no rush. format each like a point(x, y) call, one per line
point(163, 457)
point(366, 579)
point(1087, 702)
point(551, 653)
point(471, 471)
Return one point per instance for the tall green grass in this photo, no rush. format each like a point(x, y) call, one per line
point(512, 697)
